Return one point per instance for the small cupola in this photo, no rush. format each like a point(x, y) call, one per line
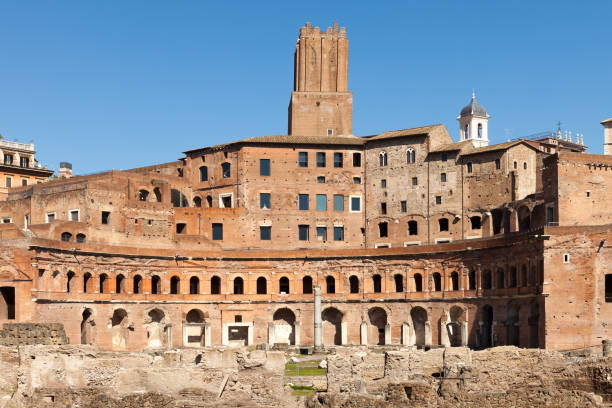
point(473, 123)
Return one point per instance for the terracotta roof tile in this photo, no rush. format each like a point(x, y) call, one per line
point(607, 121)
point(451, 147)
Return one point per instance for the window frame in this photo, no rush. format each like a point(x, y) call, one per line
point(264, 170)
point(351, 207)
point(217, 231)
point(261, 201)
point(322, 163)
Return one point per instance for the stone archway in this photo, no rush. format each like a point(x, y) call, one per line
point(378, 321)
point(455, 327)
point(332, 326)
point(119, 328)
point(284, 326)
point(155, 322)
point(88, 327)
point(195, 328)
point(419, 324)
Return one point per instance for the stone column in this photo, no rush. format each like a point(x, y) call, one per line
point(427, 333)
point(406, 334)
point(387, 334)
point(464, 334)
point(169, 336)
point(296, 333)
point(224, 336)
point(344, 334)
point(271, 333)
point(363, 330)
point(444, 338)
point(250, 335)
point(207, 335)
point(317, 317)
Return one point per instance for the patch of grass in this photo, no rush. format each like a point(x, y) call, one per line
point(302, 387)
point(303, 393)
point(304, 368)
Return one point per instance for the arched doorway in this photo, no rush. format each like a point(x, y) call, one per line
point(7, 303)
point(87, 327)
point(119, 327)
point(155, 323)
point(194, 328)
point(486, 327)
point(419, 318)
point(332, 326)
point(457, 317)
point(512, 325)
point(378, 321)
point(284, 326)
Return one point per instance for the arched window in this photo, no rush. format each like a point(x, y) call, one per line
point(66, 236)
point(382, 158)
point(175, 285)
point(376, 281)
point(203, 173)
point(331, 284)
point(399, 282)
point(155, 285)
point(215, 285)
point(69, 279)
point(283, 285)
point(486, 279)
point(467, 131)
point(194, 285)
point(86, 282)
point(418, 282)
point(410, 155)
point(120, 284)
point(262, 286)
point(158, 194)
point(209, 201)
point(137, 284)
point(103, 281)
point(306, 284)
point(143, 195)
point(238, 286)
point(480, 130)
point(80, 238)
point(472, 279)
point(226, 169)
point(437, 280)
point(455, 280)
point(354, 284)
point(197, 201)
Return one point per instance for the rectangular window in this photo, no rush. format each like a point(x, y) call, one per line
point(321, 202)
point(404, 206)
point(355, 204)
point(303, 232)
point(203, 173)
point(8, 182)
point(264, 167)
point(443, 177)
point(265, 233)
point(217, 232)
point(383, 183)
point(469, 167)
point(438, 200)
point(74, 215)
point(338, 233)
point(338, 162)
point(322, 234)
point(415, 181)
point(303, 202)
point(303, 159)
point(356, 180)
point(24, 182)
point(8, 159)
point(383, 229)
point(105, 217)
point(338, 202)
point(497, 164)
point(356, 159)
point(226, 200)
point(320, 159)
point(50, 217)
point(383, 208)
point(264, 201)
point(24, 162)
point(550, 214)
point(330, 132)
point(608, 284)
point(181, 228)
point(226, 169)
point(321, 179)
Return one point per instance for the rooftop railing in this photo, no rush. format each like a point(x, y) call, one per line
point(17, 145)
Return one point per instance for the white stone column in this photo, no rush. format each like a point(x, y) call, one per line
point(250, 334)
point(185, 335)
point(344, 328)
point(444, 334)
point(224, 334)
point(427, 333)
point(207, 335)
point(406, 335)
point(387, 334)
point(296, 333)
point(464, 334)
point(363, 331)
point(169, 336)
point(271, 333)
point(317, 317)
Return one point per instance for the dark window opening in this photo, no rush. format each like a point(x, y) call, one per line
point(356, 180)
point(105, 217)
point(238, 319)
point(413, 228)
point(158, 194)
point(69, 279)
point(497, 164)
point(209, 201)
point(354, 284)
point(418, 282)
point(262, 286)
point(143, 195)
point(175, 285)
point(203, 173)
point(303, 202)
point(383, 183)
point(472, 280)
point(66, 236)
point(238, 286)
point(265, 233)
point(103, 280)
point(410, 156)
point(443, 224)
point(80, 238)
point(331, 284)
point(137, 284)
point(320, 159)
point(437, 281)
point(181, 228)
point(383, 208)
point(469, 167)
point(155, 285)
point(215, 285)
point(415, 181)
point(322, 234)
point(226, 201)
point(303, 232)
point(321, 179)
point(7, 303)
point(86, 282)
point(455, 281)
point(382, 158)
point(303, 159)
point(217, 232)
point(500, 278)
point(475, 221)
point(608, 292)
point(444, 157)
point(194, 285)
point(404, 206)
point(486, 279)
point(399, 282)
point(377, 283)
point(283, 285)
point(306, 284)
point(443, 177)
point(197, 202)
point(356, 159)
point(338, 233)
point(226, 169)
point(383, 231)
point(264, 167)
point(338, 160)
point(438, 200)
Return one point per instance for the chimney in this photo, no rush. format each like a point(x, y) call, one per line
point(65, 171)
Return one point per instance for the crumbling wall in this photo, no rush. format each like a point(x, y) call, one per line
point(16, 334)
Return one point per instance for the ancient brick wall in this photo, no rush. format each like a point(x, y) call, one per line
point(17, 334)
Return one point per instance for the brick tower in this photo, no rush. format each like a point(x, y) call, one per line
point(320, 102)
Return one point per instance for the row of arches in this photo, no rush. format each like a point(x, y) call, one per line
point(67, 237)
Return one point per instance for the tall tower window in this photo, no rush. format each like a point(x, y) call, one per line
point(467, 131)
point(480, 130)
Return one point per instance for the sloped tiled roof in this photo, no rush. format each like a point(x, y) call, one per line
point(404, 132)
point(500, 146)
point(452, 147)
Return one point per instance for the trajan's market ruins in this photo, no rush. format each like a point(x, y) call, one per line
point(417, 246)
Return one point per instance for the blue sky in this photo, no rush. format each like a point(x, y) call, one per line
point(123, 84)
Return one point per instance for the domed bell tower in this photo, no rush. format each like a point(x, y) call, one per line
point(474, 124)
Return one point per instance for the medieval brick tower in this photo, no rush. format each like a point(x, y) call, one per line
point(320, 102)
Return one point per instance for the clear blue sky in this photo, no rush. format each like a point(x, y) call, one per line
point(123, 84)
